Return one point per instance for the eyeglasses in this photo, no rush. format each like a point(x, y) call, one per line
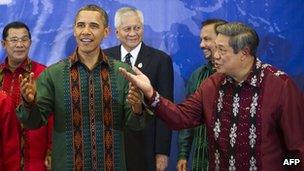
point(15, 40)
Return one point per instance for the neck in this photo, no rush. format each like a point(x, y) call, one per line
point(244, 71)
point(89, 59)
point(13, 65)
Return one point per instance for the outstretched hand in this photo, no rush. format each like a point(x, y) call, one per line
point(28, 88)
point(139, 80)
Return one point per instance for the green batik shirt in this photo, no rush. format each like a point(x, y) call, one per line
point(54, 94)
point(196, 137)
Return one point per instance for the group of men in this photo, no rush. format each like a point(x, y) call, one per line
point(92, 107)
point(94, 127)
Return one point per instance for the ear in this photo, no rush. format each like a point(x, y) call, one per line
point(106, 31)
point(3, 43)
point(30, 43)
point(74, 31)
point(117, 33)
point(246, 51)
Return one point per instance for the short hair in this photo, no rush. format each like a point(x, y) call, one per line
point(241, 36)
point(216, 21)
point(14, 25)
point(127, 11)
point(93, 7)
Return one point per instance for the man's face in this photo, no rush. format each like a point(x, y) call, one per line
point(225, 60)
point(17, 45)
point(89, 31)
point(208, 37)
point(130, 32)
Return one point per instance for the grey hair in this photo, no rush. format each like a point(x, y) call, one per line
point(241, 36)
point(125, 11)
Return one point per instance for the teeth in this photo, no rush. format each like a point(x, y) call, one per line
point(86, 40)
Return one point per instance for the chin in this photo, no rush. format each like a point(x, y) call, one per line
point(218, 70)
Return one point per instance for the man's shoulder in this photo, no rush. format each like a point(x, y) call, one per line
point(117, 63)
point(154, 51)
point(274, 72)
point(198, 70)
point(215, 79)
point(37, 64)
point(37, 67)
point(110, 50)
point(58, 65)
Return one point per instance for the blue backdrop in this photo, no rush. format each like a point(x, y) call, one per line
point(172, 26)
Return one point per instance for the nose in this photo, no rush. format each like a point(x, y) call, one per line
point(216, 55)
point(203, 44)
point(86, 30)
point(19, 43)
point(132, 32)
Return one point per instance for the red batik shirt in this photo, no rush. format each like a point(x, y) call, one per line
point(8, 134)
point(34, 144)
point(252, 125)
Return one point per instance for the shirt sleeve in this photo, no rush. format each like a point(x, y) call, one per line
point(292, 121)
point(185, 115)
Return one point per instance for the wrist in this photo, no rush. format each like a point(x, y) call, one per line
point(150, 93)
point(154, 99)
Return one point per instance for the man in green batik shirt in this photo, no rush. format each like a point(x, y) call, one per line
point(88, 97)
point(197, 136)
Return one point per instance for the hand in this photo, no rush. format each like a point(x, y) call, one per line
point(139, 80)
point(181, 165)
point(161, 162)
point(135, 99)
point(48, 162)
point(28, 88)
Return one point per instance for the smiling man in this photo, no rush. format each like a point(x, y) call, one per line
point(151, 146)
point(88, 97)
point(253, 112)
point(196, 138)
point(34, 144)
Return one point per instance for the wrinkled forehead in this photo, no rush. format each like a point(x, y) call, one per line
point(17, 32)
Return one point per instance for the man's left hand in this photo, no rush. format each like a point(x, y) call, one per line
point(135, 99)
point(161, 162)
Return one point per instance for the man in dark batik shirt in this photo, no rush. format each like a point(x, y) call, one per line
point(253, 112)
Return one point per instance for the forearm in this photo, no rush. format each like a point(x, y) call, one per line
point(185, 115)
point(185, 138)
point(31, 117)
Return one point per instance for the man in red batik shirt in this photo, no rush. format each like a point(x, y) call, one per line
point(253, 112)
point(34, 144)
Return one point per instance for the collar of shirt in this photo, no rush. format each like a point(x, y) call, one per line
point(134, 53)
point(253, 79)
point(25, 65)
point(102, 58)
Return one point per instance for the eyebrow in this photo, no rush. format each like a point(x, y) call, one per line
point(19, 37)
point(82, 22)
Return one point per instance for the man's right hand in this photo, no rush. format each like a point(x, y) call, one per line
point(181, 165)
point(28, 88)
